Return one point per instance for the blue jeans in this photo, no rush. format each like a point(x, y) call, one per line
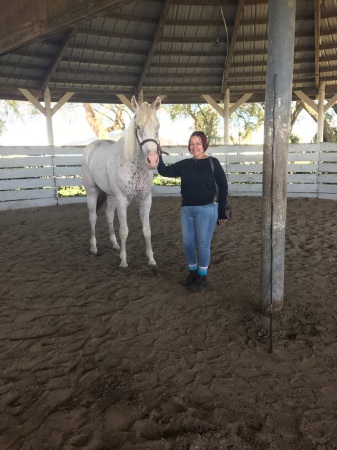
point(198, 223)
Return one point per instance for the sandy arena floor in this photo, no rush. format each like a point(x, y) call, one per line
point(95, 358)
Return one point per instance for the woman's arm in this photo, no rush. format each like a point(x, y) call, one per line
point(221, 181)
point(171, 171)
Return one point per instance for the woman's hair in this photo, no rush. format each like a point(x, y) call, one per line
point(203, 138)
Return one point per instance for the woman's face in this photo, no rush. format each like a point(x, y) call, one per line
point(196, 147)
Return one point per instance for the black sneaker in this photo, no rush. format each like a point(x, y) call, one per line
point(201, 284)
point(191, 278)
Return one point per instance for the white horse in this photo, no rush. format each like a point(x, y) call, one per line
point(121, 172)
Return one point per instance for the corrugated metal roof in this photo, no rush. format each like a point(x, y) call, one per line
point(177, 49)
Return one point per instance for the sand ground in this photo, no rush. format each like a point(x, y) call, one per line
point(96, 358)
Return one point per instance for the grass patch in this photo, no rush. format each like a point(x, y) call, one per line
point(71, 191)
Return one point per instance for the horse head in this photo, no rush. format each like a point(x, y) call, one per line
point(146, 128)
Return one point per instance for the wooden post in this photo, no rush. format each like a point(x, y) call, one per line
point(226, 117)
point(49, 116)
point(140, 97)
point(320, 120)
point(281, 36)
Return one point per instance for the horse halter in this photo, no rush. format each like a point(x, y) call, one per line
point(159, 150)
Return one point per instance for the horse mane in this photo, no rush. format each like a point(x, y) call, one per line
point(130, 140)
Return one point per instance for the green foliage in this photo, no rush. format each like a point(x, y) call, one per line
point(205, 118)
point(71, 191)
point(245, 120)
point(294, 139)
point(158, 180)
point(333, 138)
point(79, 191)
point(11, 110)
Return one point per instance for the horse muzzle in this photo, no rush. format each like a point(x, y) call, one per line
point(152, 160)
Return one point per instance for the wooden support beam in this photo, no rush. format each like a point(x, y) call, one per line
point(232, 108)
point(226, 117)
point(156, 37)
point(317, 40)
point(233, 39)
point(330, 103)
point(214, 104)
point(307, 100)
point(61, 102)
point(57, 58)
point(49, 117)
point(240, 102)
point(23, 21)
point(227, 110)
point(30, 97)
point(320, 121)
point(48, 111)
point(281, 37)
point(125, 101)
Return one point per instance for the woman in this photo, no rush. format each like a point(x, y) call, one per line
point(200, 211)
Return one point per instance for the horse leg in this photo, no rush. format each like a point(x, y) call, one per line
point(110, 214)
point(123, 231)
point(92, 195)
point(144, 211)
point(92, 192)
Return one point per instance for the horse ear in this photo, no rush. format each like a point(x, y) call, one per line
point(156, 103)
point(134, 103)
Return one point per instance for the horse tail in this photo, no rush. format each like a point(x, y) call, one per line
point(101, 200)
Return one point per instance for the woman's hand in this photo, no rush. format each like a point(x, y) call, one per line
point(222, 222)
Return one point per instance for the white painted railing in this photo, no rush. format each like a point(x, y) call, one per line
point(33, 176)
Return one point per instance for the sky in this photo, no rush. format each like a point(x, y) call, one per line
point(71, 128)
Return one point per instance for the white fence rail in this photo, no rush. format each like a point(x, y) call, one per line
point(34, 176)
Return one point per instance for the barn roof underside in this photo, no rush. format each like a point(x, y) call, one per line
point(180, 49)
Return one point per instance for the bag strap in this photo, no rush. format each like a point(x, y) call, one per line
point(211, 163)
point(212, 167)
point(228, 204)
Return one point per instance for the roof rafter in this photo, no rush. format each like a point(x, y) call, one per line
point(57, 59)
point(154, 44)
point(317, 39)
point(232, 44)
point(120, 50)
point(25, 20)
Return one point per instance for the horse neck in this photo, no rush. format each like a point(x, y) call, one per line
point(129, 142)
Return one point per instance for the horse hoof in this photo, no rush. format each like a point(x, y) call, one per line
point(91, 253)
point(124, 269)
point(154, 268)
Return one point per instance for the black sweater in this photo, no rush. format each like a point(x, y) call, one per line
point(197, 181)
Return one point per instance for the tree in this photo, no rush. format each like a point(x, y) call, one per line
point(205, 118)
point(294, 139)
point(104, 118)
point(329, 133)
point(329, 130)
point(296, 109)
point(11, 110)
point(245, 120)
